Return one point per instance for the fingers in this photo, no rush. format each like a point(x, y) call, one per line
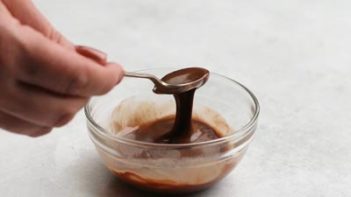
point(16, 125)
point(93, 54)
point(3, 11)
point(52, 67)
point(28, 14)
point(38, 106)
point(42, 83)
point(55, 68)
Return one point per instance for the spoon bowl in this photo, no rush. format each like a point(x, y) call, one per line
point(177, 81)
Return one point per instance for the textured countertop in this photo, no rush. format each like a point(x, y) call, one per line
point(294, 55)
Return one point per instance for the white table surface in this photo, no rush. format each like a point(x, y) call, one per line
point(295, 55)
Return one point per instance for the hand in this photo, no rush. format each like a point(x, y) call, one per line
point(44, 79)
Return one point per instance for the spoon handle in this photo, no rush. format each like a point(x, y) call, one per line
point(138, 75)
point(153, 78)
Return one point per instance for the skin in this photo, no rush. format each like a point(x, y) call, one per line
point(44, 78)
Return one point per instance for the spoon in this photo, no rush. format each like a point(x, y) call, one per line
point(175, 82)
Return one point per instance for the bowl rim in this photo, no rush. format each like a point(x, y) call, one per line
point(239, 134)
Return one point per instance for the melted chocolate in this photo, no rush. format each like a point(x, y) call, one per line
point(181, 129)
point(158, 132)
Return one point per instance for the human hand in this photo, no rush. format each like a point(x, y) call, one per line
point(44, 78)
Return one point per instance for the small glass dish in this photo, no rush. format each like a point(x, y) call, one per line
point(175, 168)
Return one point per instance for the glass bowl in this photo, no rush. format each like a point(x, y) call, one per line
point(177, 168)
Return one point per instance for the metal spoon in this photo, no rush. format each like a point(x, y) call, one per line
point(191, 78)
point(186, 79)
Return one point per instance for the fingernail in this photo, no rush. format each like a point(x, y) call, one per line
point(91, 53)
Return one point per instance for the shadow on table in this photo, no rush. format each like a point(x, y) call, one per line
point(118, 188)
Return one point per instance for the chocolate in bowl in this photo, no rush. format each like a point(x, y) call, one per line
point(224, 104)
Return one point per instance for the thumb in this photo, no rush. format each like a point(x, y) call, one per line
point(26, 13)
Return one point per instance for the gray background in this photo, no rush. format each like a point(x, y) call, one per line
point(295, 55)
